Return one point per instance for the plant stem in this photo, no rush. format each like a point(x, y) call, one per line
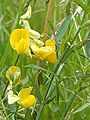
point(70, 104)
point(49, 15)
point(17, 60)
point(59, 63)
point(40, 110)
point(5, 90)
point(8, 81)
point(4, 110)
point(77, 91)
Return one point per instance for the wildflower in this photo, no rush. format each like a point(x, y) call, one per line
point(26, 99)
point(23, 98)
point(19, 40)
point(45, 52)
point(13, 75)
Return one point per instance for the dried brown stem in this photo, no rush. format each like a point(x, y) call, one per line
point(49, 15)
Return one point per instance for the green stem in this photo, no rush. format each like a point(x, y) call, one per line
point(39, 112)
point(4, 110)
point(77, 91)
point(70, 105)
point(17, 60)
point(8, 81)
point(5, 90)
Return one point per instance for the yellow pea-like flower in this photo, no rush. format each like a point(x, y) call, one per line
point(13, 74)
point(26, 100)
point(46, 52)
point(19, 40)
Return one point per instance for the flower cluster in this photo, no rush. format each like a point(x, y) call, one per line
point(29, 42)
point(25, 40)
point(23, 98)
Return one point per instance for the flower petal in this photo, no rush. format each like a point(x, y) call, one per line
point(25, 92)
point(17, 37)
point(41, 52)
point(12, 98)
point(39, 43)
point(29, 101)
point(50, 43)
point(22, 46)
point(34, 34)
point(52, 57)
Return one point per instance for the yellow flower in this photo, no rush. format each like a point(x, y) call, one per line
point(26, 100)
point(19, 40)
point(13, 74)
point(46, 52)
point(23, 98)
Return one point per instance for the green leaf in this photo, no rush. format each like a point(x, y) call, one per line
point(35, 67)
point(57, 92)
point(5, 55)
point(53, 107)
point(83, 6)
point(82, 107)
point(61, 31)
point(28, 115)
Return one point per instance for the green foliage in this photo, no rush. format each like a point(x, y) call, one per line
point(62, 89)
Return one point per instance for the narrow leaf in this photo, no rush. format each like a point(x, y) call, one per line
point(61, 31)
point(82, 107)
point(28, 115)
point(83, 6)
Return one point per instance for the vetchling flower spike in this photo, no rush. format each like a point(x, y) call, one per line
point(21, 42)
point(27, 40)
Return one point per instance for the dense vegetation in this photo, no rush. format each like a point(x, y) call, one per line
point(61, 88)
